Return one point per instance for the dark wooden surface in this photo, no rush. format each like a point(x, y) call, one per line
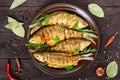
point(12, 46)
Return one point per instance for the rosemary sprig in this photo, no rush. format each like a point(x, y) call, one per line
point(87, 30)
point(88, 50)
point(39, 46)
point(43, 18)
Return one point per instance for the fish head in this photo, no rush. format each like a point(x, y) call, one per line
point(35, 39)
point(39, 57)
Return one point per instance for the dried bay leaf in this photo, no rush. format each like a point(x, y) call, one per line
point(11, 25)
point(17, 3)
point(96, 10)
point(19, 31)
point(16, 27)
point(112, 69)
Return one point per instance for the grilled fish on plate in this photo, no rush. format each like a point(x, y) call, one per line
point(49, 34)
point(70, 45)
point(61, 17)
point(60, 60)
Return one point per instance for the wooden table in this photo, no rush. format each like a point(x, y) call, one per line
point(12, 46)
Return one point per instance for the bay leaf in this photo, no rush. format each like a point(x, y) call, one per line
point(17, 3)
point(11, 25)
point(112, 69)
point(16, 27)
point(19, 31)
point(96, 10)
point(11, 20)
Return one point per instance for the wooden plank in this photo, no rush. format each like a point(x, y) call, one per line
point(75, 2)
point(12, 46)
point(30, 71)
point(105, 24)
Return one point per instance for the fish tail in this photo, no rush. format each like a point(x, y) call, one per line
point(90, 36)
point(88, 58)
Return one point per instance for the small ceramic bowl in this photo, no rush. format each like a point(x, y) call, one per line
point(82, 64)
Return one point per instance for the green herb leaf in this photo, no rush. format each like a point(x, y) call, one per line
point(75, 27)
point(96, 10)
point(56, 39)
point(39, 46)
point(76, 50)
point(17, 3)
point(87, 30)
point(112, 69)
point(89, 50)
point(45, 16)
point(16, 27)
point(43, 64)
point(69, 68)
point(70, 15)
point(46, 22)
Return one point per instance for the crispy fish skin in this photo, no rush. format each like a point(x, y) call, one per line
point(67, 19)
point(61, 17)
point(59, 60)
point(70, 45)
point(46, 35)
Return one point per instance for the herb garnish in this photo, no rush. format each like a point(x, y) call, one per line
point(68, 68)
point(87, 30)
point(43, 64)
point(46, 22)
point(39, 46)
point(76, 50)
point(56, 39)
point(75, 27)
point(43, 17)
point(89, 50)
point(70, 15)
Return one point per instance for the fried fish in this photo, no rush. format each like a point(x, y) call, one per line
point(60, 60)
point(51, 35)
point(71, 46)
point(61, 17)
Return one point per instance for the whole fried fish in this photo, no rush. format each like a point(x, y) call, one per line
point(71, 46)
point(51, 35)
point(61, 17)
point(60, 60)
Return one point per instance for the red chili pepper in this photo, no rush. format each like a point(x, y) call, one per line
point(111, 39)
point(8, 72)
point(18, 67)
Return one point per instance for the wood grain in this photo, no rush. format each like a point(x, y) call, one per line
point(42, 3)
point(12, 46)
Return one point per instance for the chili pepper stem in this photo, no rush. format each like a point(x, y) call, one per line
point(17, 60)
point(115, 34)
point(18, 66)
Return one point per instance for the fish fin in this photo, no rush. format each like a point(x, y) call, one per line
point(87, 58)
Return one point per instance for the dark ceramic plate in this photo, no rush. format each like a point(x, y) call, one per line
point(82, 64)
